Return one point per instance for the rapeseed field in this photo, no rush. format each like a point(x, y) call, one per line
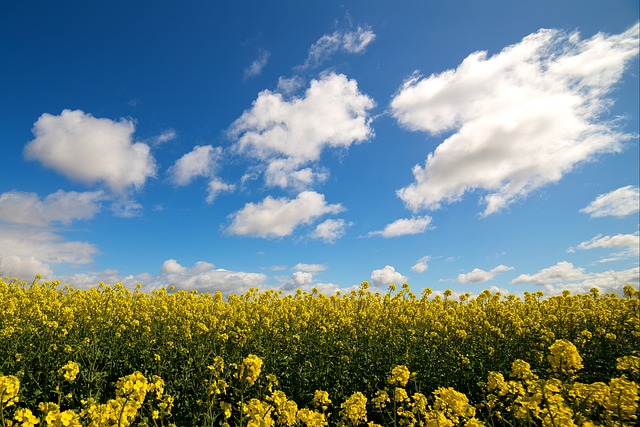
point(110, 356)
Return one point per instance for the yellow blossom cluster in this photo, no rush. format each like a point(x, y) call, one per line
point(131, 392)
point(74, 348)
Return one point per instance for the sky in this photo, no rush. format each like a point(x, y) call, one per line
point(223, 145)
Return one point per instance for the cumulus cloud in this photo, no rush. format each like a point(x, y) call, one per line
point(199, 162)
point(302, 278)
point(339, 41)
point(330, 230)
point(63, 207)
point(618, 203)
point(422, 265)
point(387, 276)
point(287, 135)
point(564, 276)
point(279, 217)
point(561, 272)
point(404, 226)
point(520, 119)
point(478, 275)
point(204, 277)
point(202, 161)
point(256, 67)
point(91, 150)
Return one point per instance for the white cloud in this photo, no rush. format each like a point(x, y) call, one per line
point(204, 277)
point(18, 207)
point(289, 134)
point(258, 65)
point(28, 245)
point(478, 275)
point(340, 40)
point(564, 276)
point(358, 40)
point(422, 265)
point(283, 173)
point(288, 85)
point(202, 161)
point(216, 187)
point(561, 272)
point(91, 150)
point(279, 217)
point(629, 243)
point(404, 226)
point(387, 276)
point(24, 268)
point(520, 119)
point(199, 162)
point(42, 245)
point(330, 230)
point(310, 267)
point(166, 136)
point(302, 278)
point(619, 203)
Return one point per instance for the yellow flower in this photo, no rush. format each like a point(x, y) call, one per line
point(66, 418)
point(9, 387)
point(629, 363)
point(258, 413)
point(25, 417)
point(311, 418)
point(251, 367)
point(380, 400)
point(321, 399)
point(399, 375)
point(400, 395)
point(226, 409)
point(623, 399)
point(564, 358)
point(453, 404)
point(69, 371)
point(354, 409)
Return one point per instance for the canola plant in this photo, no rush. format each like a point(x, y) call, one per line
point(110, 356)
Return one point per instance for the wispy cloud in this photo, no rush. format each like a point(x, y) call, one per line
point(341, 40)
point(521, 119)
point(618, 203)
point(628, 243)
point(166, 136)
point(309, 267)
point(256, 67)
point(62, 207)
point(405, 226)
point(422, 265)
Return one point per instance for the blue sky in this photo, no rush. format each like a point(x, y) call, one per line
point(297, 144)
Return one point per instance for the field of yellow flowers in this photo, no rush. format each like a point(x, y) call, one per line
point(110, 356)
